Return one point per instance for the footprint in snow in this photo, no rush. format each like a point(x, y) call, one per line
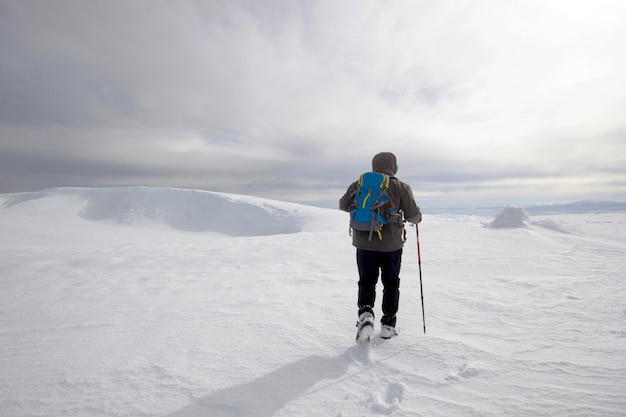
point(390, 401)
point(465, 371)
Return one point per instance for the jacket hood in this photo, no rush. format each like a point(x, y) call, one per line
point(385, 163)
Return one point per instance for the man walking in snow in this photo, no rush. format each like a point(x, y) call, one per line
point(381, 253)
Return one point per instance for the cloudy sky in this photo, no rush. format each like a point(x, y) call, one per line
point(484, 101)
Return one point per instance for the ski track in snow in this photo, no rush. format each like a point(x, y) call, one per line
point(129, 302)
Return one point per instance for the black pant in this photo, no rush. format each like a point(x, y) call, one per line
point(370, 263)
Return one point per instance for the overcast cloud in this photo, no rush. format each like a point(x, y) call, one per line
point(492, 101)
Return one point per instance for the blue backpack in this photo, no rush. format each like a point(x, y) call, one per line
point(371, 210)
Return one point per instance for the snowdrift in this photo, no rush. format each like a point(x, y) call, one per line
point(187, 210)
point(511, 217)
point(515, 217)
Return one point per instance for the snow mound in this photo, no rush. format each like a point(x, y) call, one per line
point(515, 217)
point(550, 224)
point(509, 218)
point(187, 210)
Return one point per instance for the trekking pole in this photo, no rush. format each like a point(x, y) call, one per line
point(419, 265)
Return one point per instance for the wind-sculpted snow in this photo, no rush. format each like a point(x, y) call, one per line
point(187, 210)
point(191, 210)
point(509, 218)
point(515, 217)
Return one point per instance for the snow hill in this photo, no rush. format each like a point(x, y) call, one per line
point(179, 303)
point(188, 210)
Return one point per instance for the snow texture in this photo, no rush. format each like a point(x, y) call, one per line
point(178, 303)
point(511, 217)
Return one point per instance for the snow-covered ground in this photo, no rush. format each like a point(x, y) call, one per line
point(179, 303)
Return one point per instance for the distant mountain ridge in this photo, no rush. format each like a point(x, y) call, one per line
point(586, 206)
point(577, 207)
